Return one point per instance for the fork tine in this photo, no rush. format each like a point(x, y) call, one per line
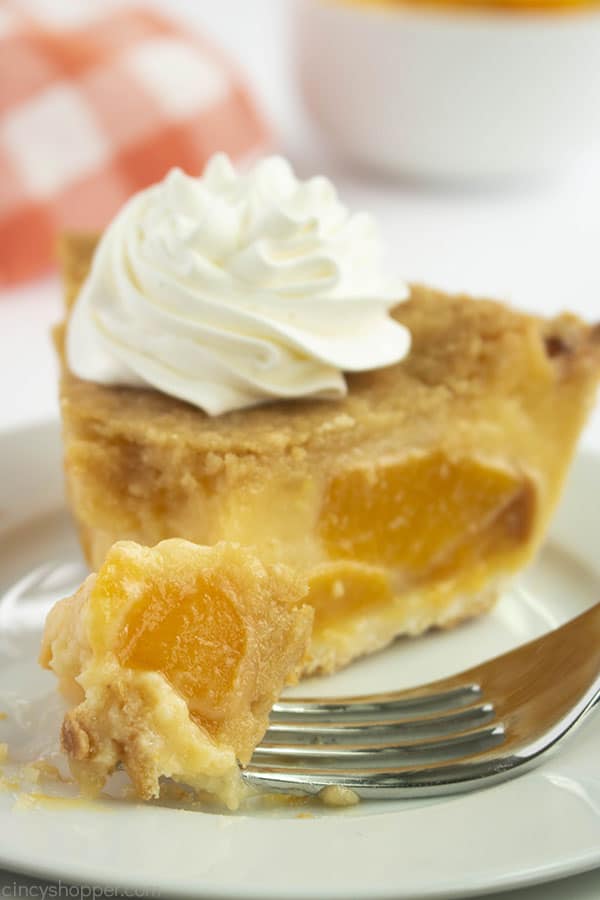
point(377, 706)
point(308, 731)
point(389, 754)
point(402, 781)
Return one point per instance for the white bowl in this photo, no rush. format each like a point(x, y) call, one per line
point(440, 93)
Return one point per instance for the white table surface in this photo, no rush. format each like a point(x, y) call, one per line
point(536, 246)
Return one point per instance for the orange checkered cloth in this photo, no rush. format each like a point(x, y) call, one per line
point(97, 100)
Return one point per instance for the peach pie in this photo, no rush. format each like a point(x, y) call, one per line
point(405, 504)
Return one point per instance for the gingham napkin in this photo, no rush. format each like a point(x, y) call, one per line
point(97, 100)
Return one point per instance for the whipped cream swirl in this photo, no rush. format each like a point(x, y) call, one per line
point(231, 290)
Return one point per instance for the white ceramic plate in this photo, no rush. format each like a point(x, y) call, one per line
point(540, 826)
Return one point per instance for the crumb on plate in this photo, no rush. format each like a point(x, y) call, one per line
point(335, 795)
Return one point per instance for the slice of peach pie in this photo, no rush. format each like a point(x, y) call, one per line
point(405, 504)
point(172, 658)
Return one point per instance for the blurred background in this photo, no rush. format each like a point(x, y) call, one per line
point(470, 132)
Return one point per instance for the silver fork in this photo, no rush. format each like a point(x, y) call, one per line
point(471, 730)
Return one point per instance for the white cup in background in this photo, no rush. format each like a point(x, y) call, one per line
point(432, 92)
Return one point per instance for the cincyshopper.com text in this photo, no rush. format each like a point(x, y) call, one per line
point(61, 891)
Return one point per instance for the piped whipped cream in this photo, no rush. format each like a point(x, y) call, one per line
point(231, 289)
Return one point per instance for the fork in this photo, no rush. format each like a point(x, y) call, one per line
point(482, 726)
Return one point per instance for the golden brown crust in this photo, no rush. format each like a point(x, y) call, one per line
point(74, 738)
point(462, 350)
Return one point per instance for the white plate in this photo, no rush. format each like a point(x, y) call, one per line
point(540, 826)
